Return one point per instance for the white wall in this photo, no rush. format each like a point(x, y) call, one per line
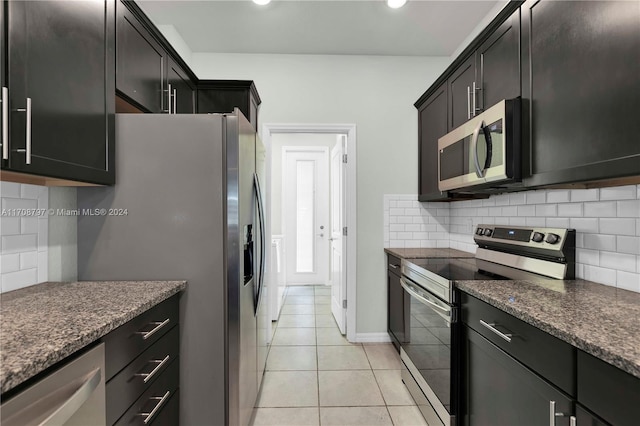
point(374, 92)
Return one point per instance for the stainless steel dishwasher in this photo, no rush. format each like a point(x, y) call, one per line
point(72, 395)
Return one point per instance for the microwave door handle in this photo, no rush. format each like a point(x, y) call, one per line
point(489, 142)
point(474, 149)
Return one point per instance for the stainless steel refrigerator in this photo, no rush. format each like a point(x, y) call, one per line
point(190, 185)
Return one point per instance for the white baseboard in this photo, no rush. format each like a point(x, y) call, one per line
point(373, 337)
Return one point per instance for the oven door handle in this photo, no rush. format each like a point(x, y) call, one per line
point(445, 313)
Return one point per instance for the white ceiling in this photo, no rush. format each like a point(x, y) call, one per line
point(361, 27)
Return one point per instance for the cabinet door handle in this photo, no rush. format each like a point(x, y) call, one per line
point(27, 149)
point(169, 100)
point(491, 327)
point(553, 414)
point(160, 362)
point(573, 421)
point(158, 326)
point(161, 400)
point(5, 123)
point(175, 97)
point(473, 95)
point(468, 103)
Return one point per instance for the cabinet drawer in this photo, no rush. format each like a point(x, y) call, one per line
point(124, 388)
point(128, 341)
point(393, 264)
point(608, 391)
point(546, 355)
point(155, 400)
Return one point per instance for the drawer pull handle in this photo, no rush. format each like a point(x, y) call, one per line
point(161, 400)
point(393, 266)
point(161, 363)
point(158, 326)
point(491, 327)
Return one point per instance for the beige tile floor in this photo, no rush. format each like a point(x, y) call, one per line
point(314, 376)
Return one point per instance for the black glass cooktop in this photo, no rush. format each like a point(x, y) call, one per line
point(470, 269)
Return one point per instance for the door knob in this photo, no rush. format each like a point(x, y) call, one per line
point(321, 226)
point(320, 235)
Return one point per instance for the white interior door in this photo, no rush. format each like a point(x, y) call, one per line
point(338, 242)
point(306, 214)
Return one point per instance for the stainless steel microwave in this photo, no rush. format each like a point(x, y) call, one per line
point(484, 152)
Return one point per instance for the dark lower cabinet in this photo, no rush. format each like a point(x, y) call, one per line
point(396, 320)
point(580, 86)
point(141, 64)
point(143, 368)
point(181, 90)
point(607, 391)
point(501, 391)
point(585, 418)
point(61, 62)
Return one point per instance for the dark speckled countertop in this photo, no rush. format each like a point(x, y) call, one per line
point(425, 253)
point(45, 323)
point(601, 320)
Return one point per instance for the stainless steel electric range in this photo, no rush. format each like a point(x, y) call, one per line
point(430, 347)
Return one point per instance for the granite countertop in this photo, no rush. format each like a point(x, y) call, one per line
point(45, 323)
point(426, 253)
point(598, 319)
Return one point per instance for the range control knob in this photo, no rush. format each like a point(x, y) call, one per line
point(488, 232)
point(552, 238)
point(479, 231)
point(537, 237)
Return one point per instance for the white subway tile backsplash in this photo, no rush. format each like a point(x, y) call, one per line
point(9, 263)
point(618, 261)
point(607, 223)
point(19, 243)
point(630, 208)
point(618, 226)
point(628, 244)
point(628, 281)
point(599, 242)
point(19, 279)
point(618, 193)
point(600, 209)
point(558, 196)
point(584, 195)
point(10, 225)
point(600, 275)
point(570, 210)
point(23, 246)
point(29, 260)
point(546, 210)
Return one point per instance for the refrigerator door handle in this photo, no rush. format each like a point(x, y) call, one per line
point(258, 194)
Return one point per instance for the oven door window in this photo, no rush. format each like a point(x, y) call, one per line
point(428, 344)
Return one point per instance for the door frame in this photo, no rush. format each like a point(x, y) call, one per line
point(285, 188)
point(268, 129)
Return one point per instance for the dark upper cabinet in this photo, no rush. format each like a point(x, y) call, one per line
point(585, 418)
point(580, 85)
point(461, 95)
point(498, 64)
point(490, 74)
point(432, 125)
point(60, 95)
point(141, 64)
point(181, 90)
point(221, 96)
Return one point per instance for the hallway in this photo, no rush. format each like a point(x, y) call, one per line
point(315, 377)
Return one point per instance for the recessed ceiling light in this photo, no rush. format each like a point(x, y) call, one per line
point(263, 2)
point(394, 4)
